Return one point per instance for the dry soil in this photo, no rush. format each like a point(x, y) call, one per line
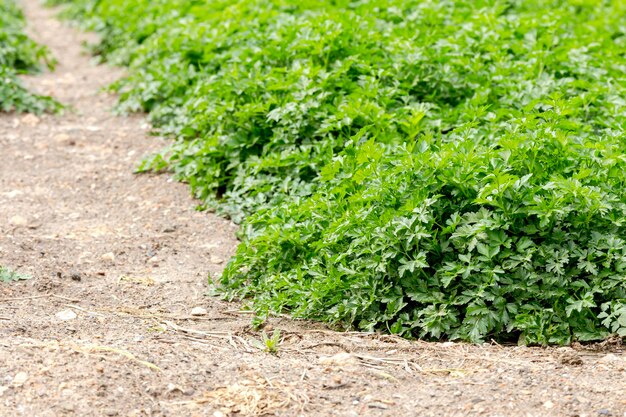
point(114, 321)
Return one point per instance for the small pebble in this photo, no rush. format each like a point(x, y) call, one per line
point(108, 257)
point(20, 378)
point(199, 311)
point(18, 221)
point(216, 260)
point(76, 276)
point(340, 359)
point(66, 315)
point(30, 120)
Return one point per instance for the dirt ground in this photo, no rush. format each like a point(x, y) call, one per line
point(114, 321)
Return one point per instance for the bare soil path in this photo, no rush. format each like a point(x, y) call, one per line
point(119, 262)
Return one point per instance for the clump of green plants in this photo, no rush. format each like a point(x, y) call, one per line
point(20, 55)
point(8, 275)
point(435, 169)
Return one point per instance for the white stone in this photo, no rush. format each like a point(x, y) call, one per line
point(66, 315)
point(199, 311)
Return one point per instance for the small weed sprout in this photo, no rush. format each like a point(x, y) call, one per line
point(9, 275)
point(267, 343)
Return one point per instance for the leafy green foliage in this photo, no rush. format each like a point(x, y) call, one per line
point(437, 169)
point(8, 275)
point(19, 55)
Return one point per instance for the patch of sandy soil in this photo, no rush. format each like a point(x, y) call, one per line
point(114, 321)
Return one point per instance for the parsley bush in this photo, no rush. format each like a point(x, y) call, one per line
point(19, 55)
point(436, 169)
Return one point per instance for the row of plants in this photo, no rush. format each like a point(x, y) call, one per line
point(20, 55)
point(439, 169)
